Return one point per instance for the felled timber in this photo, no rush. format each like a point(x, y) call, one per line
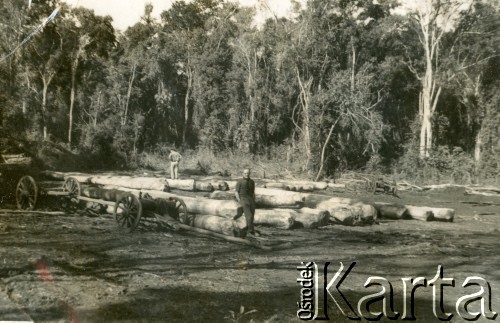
point(336, 187)
point(311, 218)
point(278, 185)
point(182, 184)
point(349, 214)
point(278, 192)
point(307, 188)
point(216, 224)
point(140, 183)
point(282, 199)
point(222, 195)
point(282, 219)
point(315, 185)
point(443, 186)
point(425, 213)
point(484, 191)
point(420, 213)
point(405, 186)
point(220, 185)
point(278, 201)
point(298, 186)
point(312, 200)
point(390, 210)
point(102, 193)
point(443, 214)
point(198, 205)
point(203, 187)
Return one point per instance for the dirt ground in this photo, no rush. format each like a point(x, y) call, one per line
point(81, 267)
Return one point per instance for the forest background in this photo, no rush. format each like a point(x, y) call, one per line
point(340, 86)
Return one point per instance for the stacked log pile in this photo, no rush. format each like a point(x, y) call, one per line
point(284, 205)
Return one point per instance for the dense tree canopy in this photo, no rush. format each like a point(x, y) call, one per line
point(341, 85)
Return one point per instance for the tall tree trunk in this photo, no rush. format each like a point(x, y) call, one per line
point(189, 89)
point(430, 38)
point(323, 150)
point(44, 111)
point(81, 44)
point(72, 101)
point(353, 72)
point(46, 79)
point(305, 99)
point(129, 93)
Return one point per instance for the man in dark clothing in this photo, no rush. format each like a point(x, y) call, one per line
point(245, 195)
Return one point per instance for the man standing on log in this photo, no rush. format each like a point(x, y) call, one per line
point(245, 195)
point(174, 159)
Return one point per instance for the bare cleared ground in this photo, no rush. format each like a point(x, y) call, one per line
point(77, 267)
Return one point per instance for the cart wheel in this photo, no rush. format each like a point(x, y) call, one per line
point(128, 212)
point(72, 186)
point(26, 193)
point(181, 213)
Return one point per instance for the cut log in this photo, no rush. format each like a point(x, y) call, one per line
point(182, 184)
point(443, 214)
point(222, 195)
point(307, 188)
point(426, 213)
point(275, 185)
point(311, 218)
point(336, 187)
point(421, 213)
point(297, 197)
point(484, 191)
point(203, 187)
point(102, 193)
point(442, 186)
point(216, 224)
point(278, 201)
point(283, 199)
point(195, 205)
point(140, 183)
point(405, 186)
point(312, 200)
point(349, 214)
point(282, 219)
point(315, 185)
point(390, 210)
point(220, 185)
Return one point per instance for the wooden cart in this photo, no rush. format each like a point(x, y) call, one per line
point(128, 209)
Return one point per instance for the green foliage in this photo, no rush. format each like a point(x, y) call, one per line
point(331, 90)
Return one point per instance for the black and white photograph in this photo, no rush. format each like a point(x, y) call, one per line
point(249, 161)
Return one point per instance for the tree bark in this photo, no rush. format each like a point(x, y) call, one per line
point(46, 79)
point(349, 214)
point(304, 100)
point(189, 73)
point(390, 211)
point(129, 94)
point(311, 218)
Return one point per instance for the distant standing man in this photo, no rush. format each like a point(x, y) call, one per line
point(174, 159)
point(245, 195)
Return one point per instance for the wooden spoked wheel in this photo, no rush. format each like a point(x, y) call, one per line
point(128, 212)
point(26, 193)
point(181, 213)
point(72, 187)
